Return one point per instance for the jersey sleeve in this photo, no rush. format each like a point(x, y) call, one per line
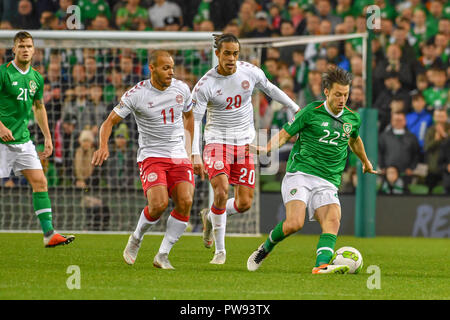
point(199, 100)
point(126, 104)
point(355, 132)
point(262, 83)
point(297, 123)
point(40, 89)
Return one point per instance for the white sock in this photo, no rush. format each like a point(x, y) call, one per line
point(174, 229)
point(231, 210)
point(143, 226)
point(219, 223)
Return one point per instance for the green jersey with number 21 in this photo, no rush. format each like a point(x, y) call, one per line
point(321, 149)
point(18, 90)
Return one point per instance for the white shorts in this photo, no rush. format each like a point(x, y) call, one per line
point(18, 157)
point(315, 192)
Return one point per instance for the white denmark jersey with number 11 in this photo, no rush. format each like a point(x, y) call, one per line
point(159, 118)
point(228, 102)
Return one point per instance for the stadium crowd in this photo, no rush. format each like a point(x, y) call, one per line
point(410, 83)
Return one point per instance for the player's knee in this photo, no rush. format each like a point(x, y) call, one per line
point(158, 206)
point(292, 226)
point(221, 195)
point(243, 204)
point(184, 204)
point(40, 185)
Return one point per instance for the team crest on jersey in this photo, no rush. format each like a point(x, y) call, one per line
point(293, 191)
point(218, 165)
point(33, 87)
point(347, 128)
point(245, 84)
point(179, 99)
point(152, 176)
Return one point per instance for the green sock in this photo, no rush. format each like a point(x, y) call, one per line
point(275, 236)
point(43, 210)
point(325, 248)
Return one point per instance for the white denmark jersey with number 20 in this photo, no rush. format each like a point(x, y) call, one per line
point(228, 102)
point(159, 118)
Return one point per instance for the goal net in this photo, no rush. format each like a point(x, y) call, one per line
point(85, 74)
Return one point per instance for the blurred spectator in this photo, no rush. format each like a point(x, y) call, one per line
point(172, 24)
point(99, 23)
point(324, 11)
point(287, 30)
point(400, 37)
point(398, 147)
point(335, 57)
point(435, 138)
point(444, 164)
point(344, 9)
point(246, 18)
point(421, 31)
point(419, 120)
point(129, 77)
point(430, 55)
point(357, 98)
point(313, 90)
point(442, 43)
point(94, 74)
point(437, 95)
point(161, 10)
point(261, 29)
point(356, 65)
point(27, 17)
point(299, 70)
point(393, 90)
point(421, 82)
point(270, 68)
point(394, 63)
point(49, 21)
point(85, 173)
point(68, 144)
point(120, 168)
point(62, 13)
point(132, 16)
point(233, 28)
point(392, 182)
point(78, 75)
point(297, 16)
point(89, 9)
point(95, 111)
point(312, 25)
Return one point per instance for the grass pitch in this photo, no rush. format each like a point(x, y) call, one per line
point(409, 268)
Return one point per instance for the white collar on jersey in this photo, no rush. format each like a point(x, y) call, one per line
point(20, 70)
point(331, 113)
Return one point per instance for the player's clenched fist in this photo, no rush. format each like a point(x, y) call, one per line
point(100, 156)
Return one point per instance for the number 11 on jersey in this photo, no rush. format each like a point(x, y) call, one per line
point(172, 117)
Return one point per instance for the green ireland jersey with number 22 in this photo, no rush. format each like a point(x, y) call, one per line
point(18, 90)
point(321, 148)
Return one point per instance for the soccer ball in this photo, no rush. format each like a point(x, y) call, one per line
point(348, 256)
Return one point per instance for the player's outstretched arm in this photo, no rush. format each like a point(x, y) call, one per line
point(102, 153)
point(40, 114)
point(275, 143)
point(357, 147)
